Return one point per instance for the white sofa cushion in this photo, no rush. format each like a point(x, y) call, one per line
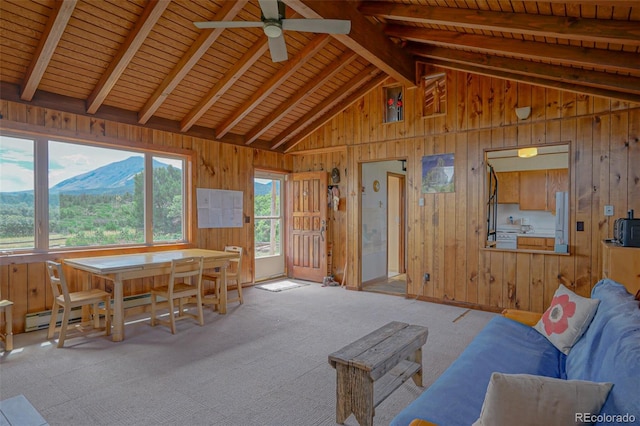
point(524, 399)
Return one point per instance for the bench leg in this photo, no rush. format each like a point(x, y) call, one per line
point(343, 393)
point(362, 397)
point(417, 378)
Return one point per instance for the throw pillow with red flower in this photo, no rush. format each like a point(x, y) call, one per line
point(567, 318)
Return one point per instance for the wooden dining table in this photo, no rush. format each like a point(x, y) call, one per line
point(119, 268)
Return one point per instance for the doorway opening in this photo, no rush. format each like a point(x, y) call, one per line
point(268, 211)
point(383, 219)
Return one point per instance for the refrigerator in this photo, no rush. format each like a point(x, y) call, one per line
point(562, 222)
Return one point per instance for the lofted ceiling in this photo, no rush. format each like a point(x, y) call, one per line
point(144, 61)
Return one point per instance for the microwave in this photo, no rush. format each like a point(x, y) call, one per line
point(626, 231)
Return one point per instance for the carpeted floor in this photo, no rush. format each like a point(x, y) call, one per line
point(264, 363)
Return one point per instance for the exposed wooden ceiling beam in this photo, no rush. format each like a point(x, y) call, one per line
point(535, 80)
point(574, 76)
point(338, 95)
point(227, 12)
point(336, 109)
point(318, 81)
point(57, 22)
point(134, 40)
point(625, 62)
point(225, 83)
point(365, 38)
point(288, 69)
point(570, 28)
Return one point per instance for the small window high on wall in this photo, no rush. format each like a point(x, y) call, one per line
point(434, 94)
point(394, 104)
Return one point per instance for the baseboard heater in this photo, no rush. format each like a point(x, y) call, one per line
point(40, 320)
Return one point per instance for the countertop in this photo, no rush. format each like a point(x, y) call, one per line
point(539, 233)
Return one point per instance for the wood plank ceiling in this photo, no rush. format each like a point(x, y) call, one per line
point(143, 61)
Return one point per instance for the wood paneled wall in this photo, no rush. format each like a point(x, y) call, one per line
point(217, 165)
point(446, 235)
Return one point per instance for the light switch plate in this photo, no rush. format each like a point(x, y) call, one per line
point(608, 210)
point(421, 201)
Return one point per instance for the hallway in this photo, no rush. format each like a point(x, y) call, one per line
point(395, 285)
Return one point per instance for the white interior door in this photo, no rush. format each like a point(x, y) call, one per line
point(269, 224)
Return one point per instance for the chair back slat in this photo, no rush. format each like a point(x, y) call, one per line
point(237, 270)
point(183, 269)
point(58, 281)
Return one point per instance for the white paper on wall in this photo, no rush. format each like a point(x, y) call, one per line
point(219, 208)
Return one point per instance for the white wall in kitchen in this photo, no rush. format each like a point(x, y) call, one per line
point(540, 221)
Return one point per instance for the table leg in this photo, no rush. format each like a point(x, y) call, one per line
point(117, 334)
point(222, 309)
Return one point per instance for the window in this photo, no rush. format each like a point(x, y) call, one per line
point(434, 95)
point(394, 106)
point(17, 203)
point(83, 195)
point(268, 217)
point(528, 198)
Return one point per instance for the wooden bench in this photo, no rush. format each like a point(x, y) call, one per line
point(371, 368)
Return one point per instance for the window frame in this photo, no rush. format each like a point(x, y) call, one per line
point(281, 178)
point(570, 190)
point(41, 197)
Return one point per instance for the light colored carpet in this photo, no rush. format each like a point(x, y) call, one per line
point(263, 363)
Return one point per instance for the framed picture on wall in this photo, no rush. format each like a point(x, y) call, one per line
point(438, 173)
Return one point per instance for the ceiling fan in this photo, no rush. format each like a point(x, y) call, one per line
point(273, 23)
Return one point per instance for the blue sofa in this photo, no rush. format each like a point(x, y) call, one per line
point(609, 351)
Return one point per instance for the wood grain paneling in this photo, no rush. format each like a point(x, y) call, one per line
point(446, 235)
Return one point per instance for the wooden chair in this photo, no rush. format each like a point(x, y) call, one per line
point(66, 300)
point(233, 274)
point(7, 334)
point(181, 269)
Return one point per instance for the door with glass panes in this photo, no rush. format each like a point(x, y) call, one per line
point(269, 224)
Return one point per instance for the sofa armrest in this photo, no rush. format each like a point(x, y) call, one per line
point(524, 317)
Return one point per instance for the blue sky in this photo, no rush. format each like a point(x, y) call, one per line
point(65, 161)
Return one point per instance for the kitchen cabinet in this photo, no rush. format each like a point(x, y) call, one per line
point(621, 264)
point(536, 243)
point(533, 190)
point(508, 187)
point(557, 181)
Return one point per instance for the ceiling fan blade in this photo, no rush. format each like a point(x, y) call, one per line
point(269, 9)
point(278, 49)
point(228, 24)
point(327, 26)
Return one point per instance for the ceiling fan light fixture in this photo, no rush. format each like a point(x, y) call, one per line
point(272, 29)
point(527, 152)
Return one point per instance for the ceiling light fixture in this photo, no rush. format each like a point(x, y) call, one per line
point(272, 29)
point(527, 152)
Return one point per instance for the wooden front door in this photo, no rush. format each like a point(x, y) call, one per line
point(307, 218)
